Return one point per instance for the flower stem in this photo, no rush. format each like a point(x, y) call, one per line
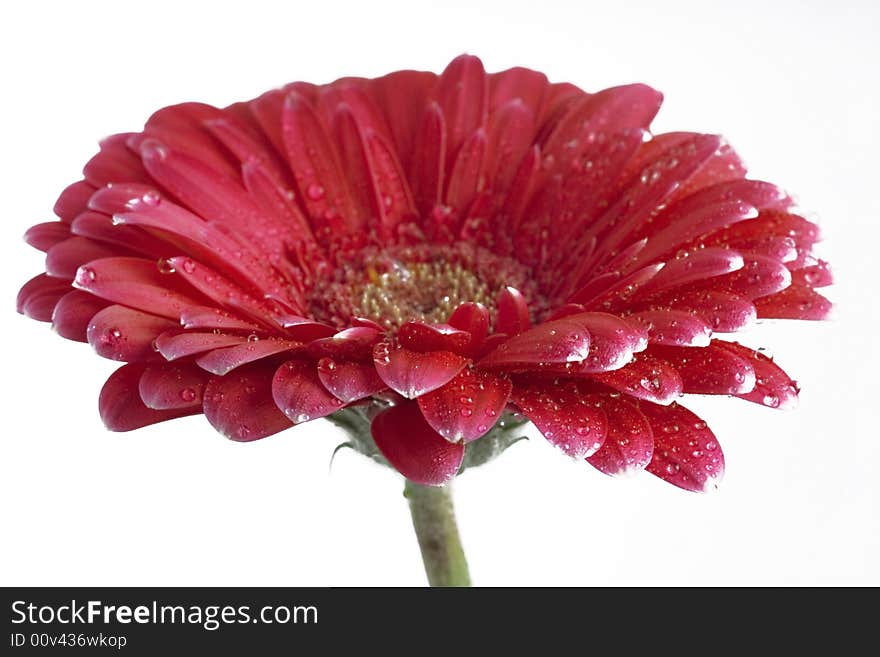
point(433, 518)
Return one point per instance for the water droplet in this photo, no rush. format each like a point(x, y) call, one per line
point(466, 412)
point(151, 198)
point(711, 445)
point(315, 192)
point(165, 266)
point(253, 337)
point(302, 417)
point(771, 400)
point(188, 394)
point(189, 266)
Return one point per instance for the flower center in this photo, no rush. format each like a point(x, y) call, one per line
point(426, 283)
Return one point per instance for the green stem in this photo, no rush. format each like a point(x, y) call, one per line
point(433, 518)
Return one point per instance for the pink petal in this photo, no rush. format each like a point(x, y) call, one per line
point(686, 452)
point(120, 403)
point(414, 449)
point(629, 443)
point(645, 377)
point(176, 344)
point(758, 277)
point(349, 380)
point(120, 333)
point(773, 387)
point(674, 327)
point(136, 283)
point(44, 236)
point(206, 317)
point(412, 373)
point(466, 407)
point(167, 386)
point(73, 200)
point(708, 370)
point(419, 336)
point(240, 405)
point(513, 312)
point(63, 259)
point(37, 298)
point(299, 393)
point(565, 415)
point(224, 360)
point(818, 275)
point(695, 266)
point(73, 313)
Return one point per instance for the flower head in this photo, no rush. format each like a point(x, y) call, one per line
point(437, 252)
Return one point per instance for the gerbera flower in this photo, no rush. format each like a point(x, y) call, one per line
point(425, 259)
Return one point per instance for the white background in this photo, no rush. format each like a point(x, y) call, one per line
point(793, 85)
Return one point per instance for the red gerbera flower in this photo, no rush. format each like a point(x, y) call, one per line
point(431, 254)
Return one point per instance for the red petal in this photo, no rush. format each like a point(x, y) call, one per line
point(709, 370)
point(462, 92)
point(74, 312)
point(695, 266)
point(818, 275)
point(412, 373)
point(120, 333)
point(674, 327)
point(794, 302)
point(645, 378)
point(428, 166)
point(723, 311)
point(417, 451)
point(629, 443)
point(565, 415)
point(120, 403)
point(561, 341)
point(166, 386)
point(686, 452)
point(240, 405)
point(352, 343)
point(222, 361)
point(349, 380)
point(773, 387)
point(419, 336)
point(298, 391)
point(513, 312)
point(473, 318)
point(466, 407)
point(205, 317)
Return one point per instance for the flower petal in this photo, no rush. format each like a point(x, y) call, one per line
point(349, 380)
point(412, 373)
point(629, 443)
point(240, 405)
point(674, 327)
point(37, 298)
point(773, 387)
point(561, 341)
point(513, 312)
point(121, 333)
point(709, 370)
point(224, 360)
point(645, 377)
point(466, 407)
point(414, 449)
point(120, 403)
point(134, 282)
point(351, 343)
point(176, 344)
point(166, 386)
point(299, 393)
point(794, 302)
point(73, 313)
point(565, 415)
point(686, 452)
point(419, 336)
point(473, 318)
